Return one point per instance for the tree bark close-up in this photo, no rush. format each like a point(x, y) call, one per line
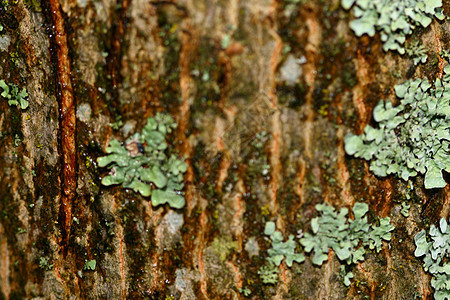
point(263, 92)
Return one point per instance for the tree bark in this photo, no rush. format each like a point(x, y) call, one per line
point(262, 133)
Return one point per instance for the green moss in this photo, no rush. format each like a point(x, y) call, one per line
point(33, 5)
point(348, 76)
point(168, 84)
point(102, 237)
point(223, 246)
point(231, 180)
point(292, 96)
point(257, 160)
point(208, 73)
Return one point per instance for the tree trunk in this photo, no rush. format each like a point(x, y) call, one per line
point(262, 133)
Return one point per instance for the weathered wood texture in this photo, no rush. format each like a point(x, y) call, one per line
point(221, 69)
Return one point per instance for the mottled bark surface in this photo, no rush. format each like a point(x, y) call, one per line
point(221, 69)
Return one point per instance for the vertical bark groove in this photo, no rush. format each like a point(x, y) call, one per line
point(67, 122)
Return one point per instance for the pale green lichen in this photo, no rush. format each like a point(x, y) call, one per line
point(335, 230)
point(44, 263)
point(144, 163)
point(269, 273)
point(394, 19)
point(245, 291)
point(278, 252)
point(14, 95)
point(90, 264)
point(417, 52)
point(445, 55)
point(281, 250)
point(436, 257)
point(348, 238)
point(411, 138)
point(346, 276)
point(405, 209)
point(332, 230)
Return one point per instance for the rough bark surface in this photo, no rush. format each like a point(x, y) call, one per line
point(220, 69)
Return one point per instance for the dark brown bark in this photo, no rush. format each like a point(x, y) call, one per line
point(105, 60)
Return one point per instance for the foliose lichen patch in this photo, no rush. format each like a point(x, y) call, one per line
point(411, 138)
point(144, 162)
point(436, 254)
point(394, 19)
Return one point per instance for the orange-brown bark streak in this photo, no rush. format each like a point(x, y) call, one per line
point(438, 49)
point(67, 117)
point(312, 46)
point(189, 44)
point(122, 263)
point(4, 270)
point(276, 127)
point(185, 81)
